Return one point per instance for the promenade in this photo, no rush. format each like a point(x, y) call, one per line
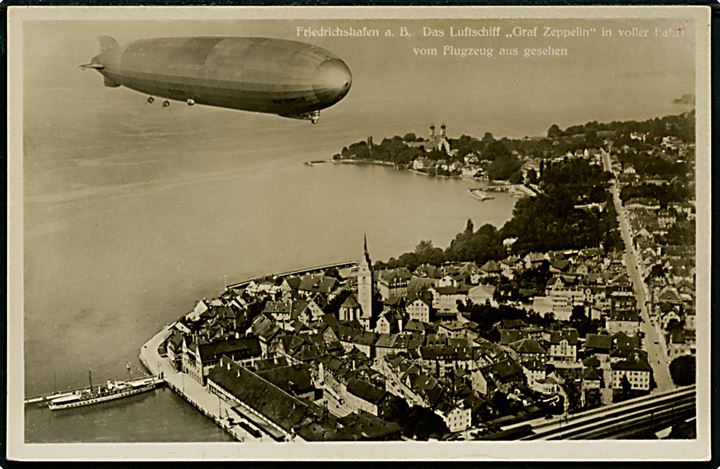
point(211, 405)
point(303, 271)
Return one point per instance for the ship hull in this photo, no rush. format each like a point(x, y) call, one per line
point(100, 399)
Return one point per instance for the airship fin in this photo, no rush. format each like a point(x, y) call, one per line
point(107, 43)
point(92, 65)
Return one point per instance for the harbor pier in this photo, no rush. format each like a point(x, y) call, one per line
point(210, 405)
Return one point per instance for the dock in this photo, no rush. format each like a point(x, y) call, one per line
point(197, 395)
point(303, 271)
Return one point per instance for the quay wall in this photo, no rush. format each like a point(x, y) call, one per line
point(191, 391)
point(209, 404)
point(306, 270)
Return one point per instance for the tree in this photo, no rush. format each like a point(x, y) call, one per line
point(532, 176)
point(516, 177)
point(494, 150)
point(500, 402)
point(625, 385)
point(426, 253)
point(469, 227)
point(682, 370)
point(421, 423)
point(554, 131)
point(504, 164)
point(578, 314)
point(487, 138)
point(423, 246)
point(673, 324)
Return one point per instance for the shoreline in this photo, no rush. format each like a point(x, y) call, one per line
point(197, 395)
point(189, 390)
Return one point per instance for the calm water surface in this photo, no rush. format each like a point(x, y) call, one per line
point(134, 213)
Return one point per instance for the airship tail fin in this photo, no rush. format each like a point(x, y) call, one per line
point(107, 43)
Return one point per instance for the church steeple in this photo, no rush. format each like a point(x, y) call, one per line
point(366, 254)
point(365, 287)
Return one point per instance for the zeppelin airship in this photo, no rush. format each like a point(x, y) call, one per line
point(276, 76)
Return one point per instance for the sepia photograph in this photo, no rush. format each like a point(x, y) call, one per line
point(367, 233)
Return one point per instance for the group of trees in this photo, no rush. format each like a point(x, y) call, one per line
point(504, 165)
point(580, 320)
point(681, 233)
point(681, 126)
point(663, 193)
point(576, 176)
point(682, 370)
point(542, 223)
point(390, 149)
point(652, 165)
point(421, 423)
point(550, 222)
point(502, 152)
point(469, 245)
point(487, 316)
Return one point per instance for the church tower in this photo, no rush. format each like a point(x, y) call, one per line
point(365, 287)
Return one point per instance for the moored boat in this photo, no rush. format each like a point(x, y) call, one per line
point(110, 391)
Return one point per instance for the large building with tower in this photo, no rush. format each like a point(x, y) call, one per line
point(434, 141)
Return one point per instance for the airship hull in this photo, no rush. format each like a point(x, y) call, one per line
point(253, 74)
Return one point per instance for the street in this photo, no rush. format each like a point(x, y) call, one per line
point(654, 341)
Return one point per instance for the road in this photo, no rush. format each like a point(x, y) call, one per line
point(211, 405)
point(654, 341)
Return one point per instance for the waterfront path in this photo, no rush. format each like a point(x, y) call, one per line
point(654, 340)
point(303, 271)
point(196, 394)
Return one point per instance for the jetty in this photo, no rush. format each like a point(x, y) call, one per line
point(303, 271)
point(211, 405)
point(480, 194)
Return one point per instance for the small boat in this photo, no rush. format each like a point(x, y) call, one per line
point(110, 391)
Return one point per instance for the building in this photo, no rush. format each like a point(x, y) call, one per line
point(199, 358)
point(457, 417)
point(563, 345)
point(624, 321)
point(481, 294)
point(637, 371)
point(390, 322)
point(393, 283)
point(439, 141)
point(361, 395)
point(419, 309)
point(350, 309)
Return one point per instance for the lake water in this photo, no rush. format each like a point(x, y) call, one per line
point(133, 213)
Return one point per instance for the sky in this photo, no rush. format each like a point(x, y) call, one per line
point(601, 78)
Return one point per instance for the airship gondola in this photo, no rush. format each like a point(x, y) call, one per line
point(275, 76)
